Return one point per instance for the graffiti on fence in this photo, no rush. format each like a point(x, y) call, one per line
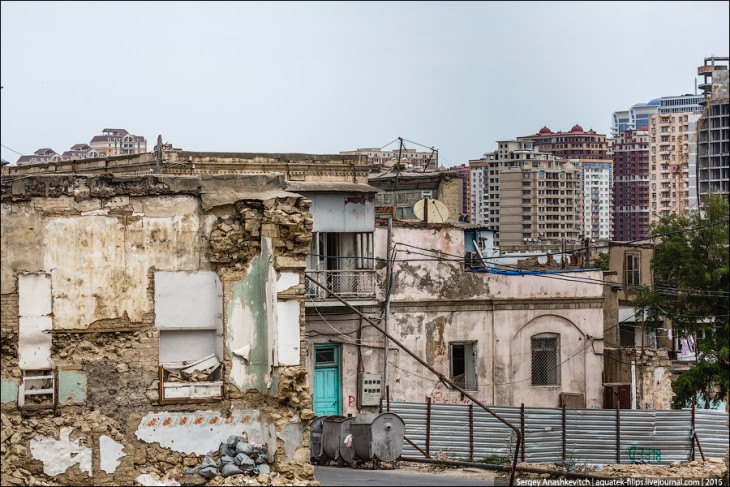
point(637, 453)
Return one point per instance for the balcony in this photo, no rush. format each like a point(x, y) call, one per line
point(348, 284)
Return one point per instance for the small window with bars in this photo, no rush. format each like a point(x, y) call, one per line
point(546, 359)
point(325, 356)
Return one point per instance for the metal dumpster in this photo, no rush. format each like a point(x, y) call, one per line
point(378, 437)
point(315, 439)
point(347, 453)
point(331, 426)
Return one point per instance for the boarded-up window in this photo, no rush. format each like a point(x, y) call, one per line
point(188, 314)
point(546, 359)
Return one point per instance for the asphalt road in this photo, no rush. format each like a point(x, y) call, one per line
point(331, 476)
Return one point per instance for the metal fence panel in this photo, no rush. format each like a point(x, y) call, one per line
point(543, 435)
point(414, 415)
point(493, 437)
point(450, 430)
point(590, 436)
point(657, 437)
point(712, 431)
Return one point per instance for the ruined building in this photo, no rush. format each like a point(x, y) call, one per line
point(146, 318)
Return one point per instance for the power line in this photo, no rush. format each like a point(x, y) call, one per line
point(13, 150)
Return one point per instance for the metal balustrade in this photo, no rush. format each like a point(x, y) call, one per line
point(346, 284)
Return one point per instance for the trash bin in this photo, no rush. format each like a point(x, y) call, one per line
point(347, 453)
point(315, 439)
point(331, 436)
point(378, 437)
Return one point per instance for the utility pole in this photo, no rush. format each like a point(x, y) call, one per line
point(388, 283)
point(587, 260)
point(158, 155)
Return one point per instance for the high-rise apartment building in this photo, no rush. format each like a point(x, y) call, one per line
point(576, 144)
point(671, 142)
point(594, 197)
point(410, 158)
point(118, 142)
point(464, 173)
point(631, 185)
point(522, 194)
point(588, 151)
point(713, 130)
point(638, 115)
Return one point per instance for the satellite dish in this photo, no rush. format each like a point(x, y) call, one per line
point(430, 211)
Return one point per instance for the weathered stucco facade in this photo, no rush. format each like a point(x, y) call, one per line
point(451, 318)
point(108, 282)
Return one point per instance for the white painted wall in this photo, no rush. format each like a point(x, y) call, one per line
point(34, 321)
point(109, 454)
point(202, 431)
point(59, 455)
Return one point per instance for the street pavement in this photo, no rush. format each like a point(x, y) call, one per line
point(332, 476)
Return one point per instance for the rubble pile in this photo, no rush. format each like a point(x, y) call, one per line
point(235, 456)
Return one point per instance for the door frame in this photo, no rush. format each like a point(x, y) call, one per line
point(335, 364)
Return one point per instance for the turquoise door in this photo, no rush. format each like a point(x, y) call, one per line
point(327, 380)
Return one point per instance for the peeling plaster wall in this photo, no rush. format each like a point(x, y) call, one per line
point(199, 432)
point(59, 455)
point(438, 303)
point(97, 245)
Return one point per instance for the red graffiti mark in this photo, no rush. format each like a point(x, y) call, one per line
point(245, 420)
point(351, 401)
point(167, 422)
point(214, 420)
point(199, 420)
point(152, 423)
point(183, 421)
point(229, 420)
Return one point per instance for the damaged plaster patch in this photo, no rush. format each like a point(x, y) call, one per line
point(292, 437)
point(202, 431)
point(59, 455)
point(109, 454)
point(8, 391)
point(286, 281)
point(71, 387)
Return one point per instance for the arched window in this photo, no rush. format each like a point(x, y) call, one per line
point(546, 359)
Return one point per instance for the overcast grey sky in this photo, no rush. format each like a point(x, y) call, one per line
point(327, 77)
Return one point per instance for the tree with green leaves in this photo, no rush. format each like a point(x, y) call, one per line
point(690, 269)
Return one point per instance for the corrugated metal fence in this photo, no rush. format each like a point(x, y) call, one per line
point(593, 436)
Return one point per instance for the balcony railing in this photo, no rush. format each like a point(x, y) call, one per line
point(359, 284)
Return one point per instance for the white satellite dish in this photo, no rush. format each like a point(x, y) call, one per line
point(430, 211)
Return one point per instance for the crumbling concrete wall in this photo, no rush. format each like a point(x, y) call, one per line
point(101, 240)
